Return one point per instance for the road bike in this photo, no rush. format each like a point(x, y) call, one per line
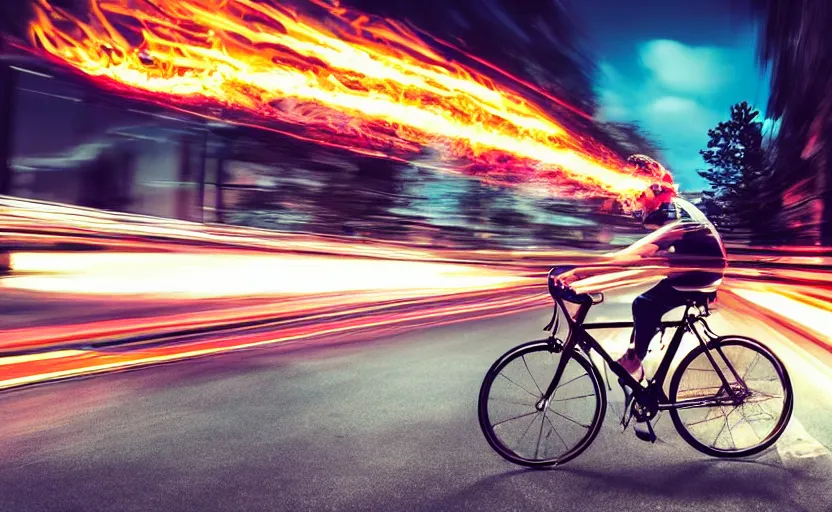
point(716, 405)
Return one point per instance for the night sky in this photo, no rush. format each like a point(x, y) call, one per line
point(675, 67)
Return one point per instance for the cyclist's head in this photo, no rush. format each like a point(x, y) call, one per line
point(655, 203)
point(646, 166)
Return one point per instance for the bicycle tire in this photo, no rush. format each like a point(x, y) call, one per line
point(494, 440)
point(786, 411)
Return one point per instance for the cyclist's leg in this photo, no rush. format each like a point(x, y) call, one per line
point(648, 310)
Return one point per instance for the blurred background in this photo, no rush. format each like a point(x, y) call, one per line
point(71, 140)
point(131, 127)
point(189, 178)
point(152, 153)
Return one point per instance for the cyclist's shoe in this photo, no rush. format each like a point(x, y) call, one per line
point(632, 364)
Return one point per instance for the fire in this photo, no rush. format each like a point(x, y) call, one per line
point(367, 84)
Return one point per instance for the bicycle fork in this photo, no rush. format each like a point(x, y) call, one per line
point(549, 394)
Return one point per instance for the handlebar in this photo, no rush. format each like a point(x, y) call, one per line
point(560, 290)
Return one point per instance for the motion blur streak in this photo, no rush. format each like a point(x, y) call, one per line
point(810, 315)
point(152, 281)
point(32, 369)
point(367, 84)
point(207, 275)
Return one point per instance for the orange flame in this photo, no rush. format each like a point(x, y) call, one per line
point(370, 85)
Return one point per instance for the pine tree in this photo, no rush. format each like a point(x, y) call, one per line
point(737, 171)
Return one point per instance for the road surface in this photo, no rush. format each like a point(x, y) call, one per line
point(385, 424)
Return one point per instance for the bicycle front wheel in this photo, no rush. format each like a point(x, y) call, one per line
point(750, 424)
point(515, 384)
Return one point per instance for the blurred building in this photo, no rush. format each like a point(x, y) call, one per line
point(795, 45)
point(66, 140)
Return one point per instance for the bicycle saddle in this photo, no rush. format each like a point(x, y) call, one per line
point(702, 300)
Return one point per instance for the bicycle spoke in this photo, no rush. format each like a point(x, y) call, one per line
point(768, 396)
point(754, 417)
point(527, 430)
point(747, 371)
point(509, 402)
point(532, 376)
point(519, 386)
point(773, 379)
point(571, 380)
point(720, 431)
point(539, 435)
point(762, 411)
point(706, 420)
point(556, 431)
point(570, 419)
point(750, 425)
point(573, 398)
point(731, 434)
point(514, 418)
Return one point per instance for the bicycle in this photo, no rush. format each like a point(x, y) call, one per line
point(642, 402)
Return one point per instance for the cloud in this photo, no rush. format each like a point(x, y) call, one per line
point(677, 116)
point(686, 69)
point(612, 106)
point(673, 105)
point(677, 92)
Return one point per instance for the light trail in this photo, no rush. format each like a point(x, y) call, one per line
point(210, 275)
point(368, 288)
point(367, 84)
point(388, 321)
point(810, 315)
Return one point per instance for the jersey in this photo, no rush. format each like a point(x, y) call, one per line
point(694, 249)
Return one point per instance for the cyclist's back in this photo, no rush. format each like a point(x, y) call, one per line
point(691, 244)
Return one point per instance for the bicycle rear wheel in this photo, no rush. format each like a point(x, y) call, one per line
point(738, 429)
point(517, 430)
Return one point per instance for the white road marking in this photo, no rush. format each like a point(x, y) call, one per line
point(797, 445)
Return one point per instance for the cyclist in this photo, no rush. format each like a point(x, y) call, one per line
point(692, 248)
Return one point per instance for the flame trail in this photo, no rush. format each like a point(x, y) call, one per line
point(368, 84)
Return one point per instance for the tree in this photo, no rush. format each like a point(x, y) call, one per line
point(736, 170)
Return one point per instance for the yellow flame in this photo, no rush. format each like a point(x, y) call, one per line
point(374, 82)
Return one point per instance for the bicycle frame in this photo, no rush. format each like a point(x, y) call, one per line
point(654, 392)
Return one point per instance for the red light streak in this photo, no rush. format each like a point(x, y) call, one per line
point(422, 286)
point(361, 322)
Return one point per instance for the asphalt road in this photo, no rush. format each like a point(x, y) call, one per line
point(384, 424)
